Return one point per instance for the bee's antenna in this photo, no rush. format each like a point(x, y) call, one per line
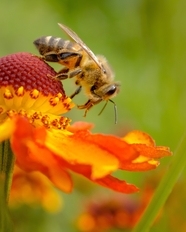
point(115, 110)
point(103, 108)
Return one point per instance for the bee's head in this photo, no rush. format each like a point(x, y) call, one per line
point(106, 91)
point(111, 90)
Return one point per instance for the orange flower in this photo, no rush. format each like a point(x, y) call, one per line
point(109, 212)
point(30, 107)
point(33, 189)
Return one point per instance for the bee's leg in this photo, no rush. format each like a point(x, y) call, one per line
point(50, 58)
point(76, 92)
point(69, 59)
point(88, 105)
point(62, 72)
point(40, 57)
point(62, 75)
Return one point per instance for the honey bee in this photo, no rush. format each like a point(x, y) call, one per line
point(93, 73)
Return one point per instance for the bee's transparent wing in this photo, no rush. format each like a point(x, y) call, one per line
point(76, 38)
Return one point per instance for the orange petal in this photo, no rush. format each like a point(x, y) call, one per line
point(112, 144)
point(95, 156)
point(107, 181)
point(74, 152)
point(61, 179)
point(77, 149)
point(77, 126)
point(147, 152)
point(138, 167)
point(117, 185)
point(139, 137)
point(31, 156)
point(152, 152)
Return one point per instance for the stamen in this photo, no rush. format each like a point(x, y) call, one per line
point(8, 94)
point(11, 113)
point(37, 115)
point(34, 94)
point(54, 101)
point(20, 91)
point(46, 121)
point(22, 113)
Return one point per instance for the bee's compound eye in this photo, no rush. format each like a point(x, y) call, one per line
point(112, 90)
point(93, 88)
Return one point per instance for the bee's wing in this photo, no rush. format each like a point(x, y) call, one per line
point(76, 38)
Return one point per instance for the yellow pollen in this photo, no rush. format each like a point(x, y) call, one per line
point(38, 119)
point(20, 91)
point(34, 94)
point(39, 109)
point(46, 121)
point(37, 115)
point(59, 95)
point(54, 101)
point(62, 122)
point(55, 122)
point(8, 94)
point(11, 113)
point(22, 113)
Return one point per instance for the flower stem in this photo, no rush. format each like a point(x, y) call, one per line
point(164, 189)
point(7, 160)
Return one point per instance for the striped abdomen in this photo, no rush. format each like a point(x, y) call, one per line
point(54, 45)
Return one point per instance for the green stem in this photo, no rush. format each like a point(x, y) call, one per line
point(7, 160)
point(164, 189)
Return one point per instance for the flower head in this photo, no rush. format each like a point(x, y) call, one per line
point(31, 103)
point(28, 89)
point(114, 211)
point(33, 189)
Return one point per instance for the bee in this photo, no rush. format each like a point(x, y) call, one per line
point(93, 73)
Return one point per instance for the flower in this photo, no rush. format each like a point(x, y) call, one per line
point(107, 212)
point(112, 211)
point(33, 189)
point(31, 103)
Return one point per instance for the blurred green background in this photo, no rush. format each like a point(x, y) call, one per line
point(144, 41)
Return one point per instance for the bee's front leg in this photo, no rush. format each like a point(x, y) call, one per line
point(88, 105)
